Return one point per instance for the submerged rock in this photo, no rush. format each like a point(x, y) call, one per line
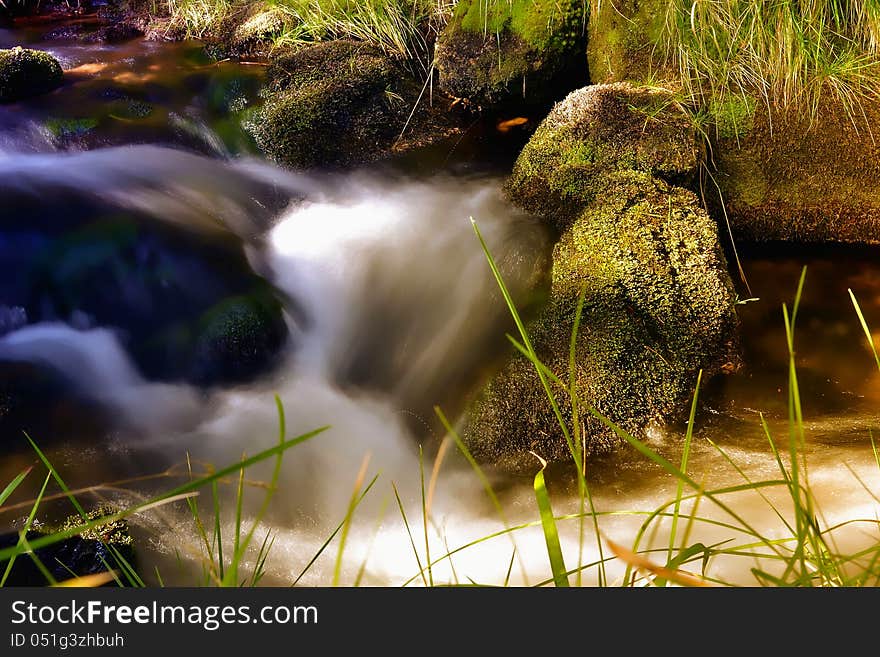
point(790, 176)
point(524, 50)
point(128, 254)
point(25, 73)
point(658, 301)
point(331, 104)
point(90, 553)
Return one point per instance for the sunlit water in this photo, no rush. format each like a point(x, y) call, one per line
point(393, 309)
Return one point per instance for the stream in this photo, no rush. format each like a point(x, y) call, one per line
point(391, 309)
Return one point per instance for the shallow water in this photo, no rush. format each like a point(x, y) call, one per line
point(393, 310)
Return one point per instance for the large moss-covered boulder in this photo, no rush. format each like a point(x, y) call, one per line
point(25, 73)
point(521, 50)
point(626, 40)
point(601, 133)
point(658, 301)
point(331, 104)
point(787, 175)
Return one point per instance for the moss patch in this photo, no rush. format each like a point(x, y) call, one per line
point(659, 303)
point(787, 177)
point(237, 337)
point(25, 73)
point(497, 51)
point(623, 37)
point(612, 131)
point(332, 104)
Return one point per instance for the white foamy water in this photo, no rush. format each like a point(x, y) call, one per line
point(392, 309)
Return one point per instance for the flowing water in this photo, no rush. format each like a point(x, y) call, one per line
point(392, 309)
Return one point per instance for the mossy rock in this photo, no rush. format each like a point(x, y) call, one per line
point(94, 551)
point(235, 339)
point(528, 51)
point(659, 307)
point(185, 306)
point(605, 169)
point(331, 104)
point(601, 133)
point(25, 73)
point(625, 40)
point(786, 175)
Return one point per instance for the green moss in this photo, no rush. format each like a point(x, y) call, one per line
point(617, 132)
point(63, 129)
point(804, 179)
point(734, 116)
point(492, 52)
point(330, 104)
point(659, 303)
point(623, 35)
point(539, 23)
point(25, 73)
point(114, 533)
point(234, 339)
point(658, 309)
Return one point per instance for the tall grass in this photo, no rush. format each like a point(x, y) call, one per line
point(786, 52)
point(401, 28)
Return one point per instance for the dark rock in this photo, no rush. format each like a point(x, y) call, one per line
point(173, 283)
point(524, 51)
point(87, 554)
point(25, 73)
point(331, 104)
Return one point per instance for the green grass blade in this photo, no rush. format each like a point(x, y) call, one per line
point(689, 434)
point(22, 537)
point(15, 483)
point(349, 514)
point(551, 533)
point(425, 516)
point(865, 328)
point(363, 567)
point(168, 496)
point(409, 532)
point(330, 538)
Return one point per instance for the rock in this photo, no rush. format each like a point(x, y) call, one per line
point(332, 104)
point(808, 179)
point(187, 309)
point(528, 51)
point(113, 33)
point(623, 39)
point(87, 554)
point(25, 73)
point(659, 303)
point(105, 245)
point(11, 319)
point(613, 131)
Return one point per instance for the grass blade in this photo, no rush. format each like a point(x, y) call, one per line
point(15, 483)
point(548, 524)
